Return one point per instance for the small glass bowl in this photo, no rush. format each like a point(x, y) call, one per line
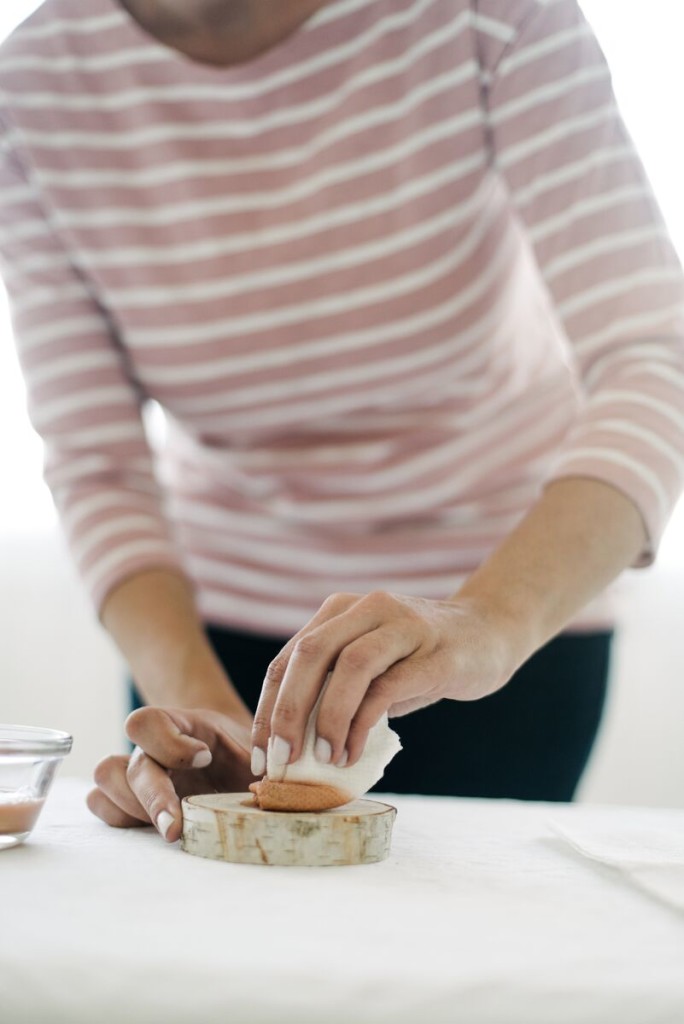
point(29, 758)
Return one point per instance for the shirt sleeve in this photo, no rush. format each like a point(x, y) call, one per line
point(82, 398)
point(600, 243)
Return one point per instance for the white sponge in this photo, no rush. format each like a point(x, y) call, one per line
point(381, 746)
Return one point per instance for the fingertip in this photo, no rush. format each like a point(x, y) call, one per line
point(277, 757)
point(110, 813)
point(202, 758)
point(258, 765)
point(133, 719)
point(281, 751)
point(323, 750)
point(356, 744)
point(91, 800)
point(260, 740)
point(167, 826)
point(259, 736)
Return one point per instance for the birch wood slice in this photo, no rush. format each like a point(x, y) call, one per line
point(222, 827)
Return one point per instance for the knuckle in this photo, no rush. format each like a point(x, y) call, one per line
point(139, 722)
point(105, 769)
point(260, 724)
point(103, 809)
point(417, 623)
point(93, 801)
point(380, 599)
point(150, 798)
point(337, 601)
point(135, 763)
point(137, 717)
point(286, 713)
point(275, 671)
point(355, 659)
point(382, 689)
point(308, 648)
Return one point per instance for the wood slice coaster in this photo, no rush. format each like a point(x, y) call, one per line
point(226, 826)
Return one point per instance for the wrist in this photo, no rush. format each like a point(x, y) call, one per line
point(510, 620)
point(579, 535)
point(152, 618)
point(192, 678)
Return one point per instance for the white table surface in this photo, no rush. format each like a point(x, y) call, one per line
point(481, 914)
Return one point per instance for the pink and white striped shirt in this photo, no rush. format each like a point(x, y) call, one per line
point(386, 280)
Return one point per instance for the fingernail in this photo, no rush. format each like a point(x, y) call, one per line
point(201, 759)
point(323, 751)
point(343, 760)
point(280, 751)
point(258, 761)
point(164, 822)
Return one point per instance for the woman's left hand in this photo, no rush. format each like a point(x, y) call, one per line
point(387, 653)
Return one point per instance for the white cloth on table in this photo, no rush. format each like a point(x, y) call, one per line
point(648, 851)
point(479, 916)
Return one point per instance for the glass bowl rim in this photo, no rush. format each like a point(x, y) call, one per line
point(31, 739)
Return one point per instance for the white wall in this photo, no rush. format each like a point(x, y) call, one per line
point(57, 667)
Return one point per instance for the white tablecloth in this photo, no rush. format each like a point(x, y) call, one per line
point(483, 913)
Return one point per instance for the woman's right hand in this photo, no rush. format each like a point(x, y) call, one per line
point(179, 752)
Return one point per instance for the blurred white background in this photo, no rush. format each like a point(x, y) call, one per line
point(58, 668)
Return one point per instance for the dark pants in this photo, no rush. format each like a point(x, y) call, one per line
point(528, 741)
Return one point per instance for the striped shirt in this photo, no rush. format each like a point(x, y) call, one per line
point(386, 280)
